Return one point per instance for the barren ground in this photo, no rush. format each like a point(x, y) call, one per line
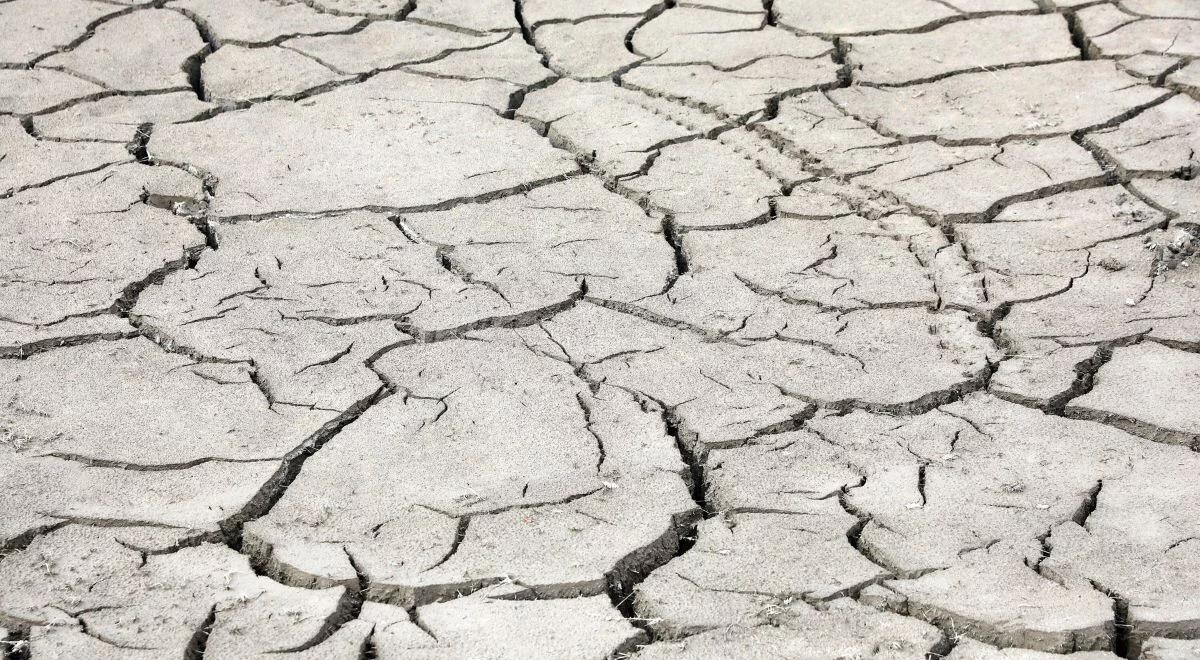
point(578, 329)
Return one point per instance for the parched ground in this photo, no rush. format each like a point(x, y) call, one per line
point(610, 328)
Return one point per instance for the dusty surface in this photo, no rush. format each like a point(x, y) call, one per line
point(621, 328)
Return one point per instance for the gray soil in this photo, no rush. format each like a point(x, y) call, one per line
point(394, 329)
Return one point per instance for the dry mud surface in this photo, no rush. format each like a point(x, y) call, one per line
point(618, 328)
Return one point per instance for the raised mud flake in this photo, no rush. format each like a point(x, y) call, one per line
point(1102, 18)
point(57, 643)
point(726, 392)
point(995, 597)
point(973, 182)
point(1129, 292)
point(92, 580)
point(235, 22)
point(26, 91)
point(76, 246)
point(611, 537)
point(236, 74)
point(709, 305)
point(979, 472)
point(821, 199)
point(566, 628)
point(736, 94)
point(500, 622)
point(791, 472)
point(61, 643)
point(842, 628)
point(1186, 79)
point(765, 156)
point(386, 44)
point(29, 162)
point(703, 183)
point(811, 127)
point(834, 17)
point(377, 9)
point(48, 581)
point(117, 56)
point(326, 154)
point(1180, 196)
point(842, 263)
point(537, 12)
point(394, 634)
point(724, 40)
point(558, 497)
point(309, 316)
point(746, 566)
point(119, 118)
point(350, 640)
point(1037, 248)
point(1162, 8)
point(471, 15)
point(540, 248)
point(972, 108)
point(511, 60)
point(37, 28)
point(804, 472)
point(981, 44)
point(569, 628)
point(271, 618)
point(308, 301)
point(43, 492)
point(1153, 586)
point(616, 129)
point(78, 402)
point(1109, 32)
point(1148, 65)
point(1139, 547)
point(1161, 140)
point(961, 183)
point(730, 63)
point(1149, 390)
point(591, 50)
point(1043, 380)
point(990, 589)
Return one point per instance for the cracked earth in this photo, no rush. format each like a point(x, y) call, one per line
point(620, 328)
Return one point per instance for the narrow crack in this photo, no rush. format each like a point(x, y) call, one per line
point(1122, 627)
point(444, 205)
point(89, 31)
point(632, 569)
point(1088, 506)
point(198, 643)
point(460, 534)
point(194, 64)
point(274, 488)
point(349, 608)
